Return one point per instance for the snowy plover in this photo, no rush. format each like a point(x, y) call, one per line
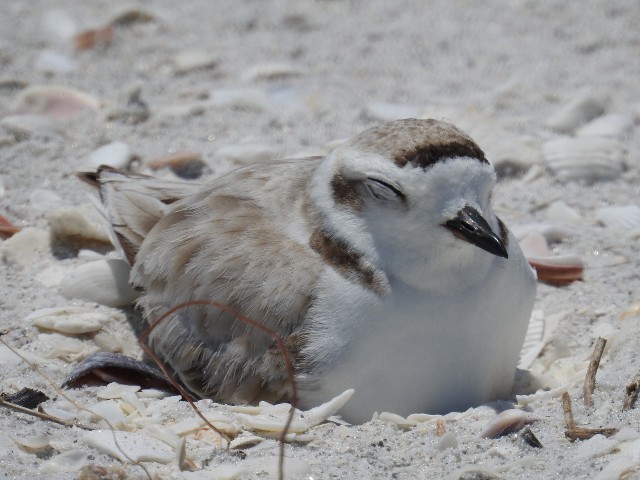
point(382, 265)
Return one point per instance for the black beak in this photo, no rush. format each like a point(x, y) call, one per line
point(470, 226)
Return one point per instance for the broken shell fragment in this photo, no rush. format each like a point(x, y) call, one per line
point(625, 217)
point(560, 270)
point(92, 38)
point(71, 320)
point(586, 106)
point(7, 229)
point(129, 446)
point(612, 125)
point(59, 103)
point(554, 270)
point(105, 282)
point(115, 154)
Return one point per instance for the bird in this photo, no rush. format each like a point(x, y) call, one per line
point(381, 265)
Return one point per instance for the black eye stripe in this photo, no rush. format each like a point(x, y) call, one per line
point(390, 187)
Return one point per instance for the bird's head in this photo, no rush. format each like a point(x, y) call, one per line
point(414, 197)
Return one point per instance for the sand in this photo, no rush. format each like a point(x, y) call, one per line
point(294, 78)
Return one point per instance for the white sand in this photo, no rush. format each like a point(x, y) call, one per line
point(512, 64)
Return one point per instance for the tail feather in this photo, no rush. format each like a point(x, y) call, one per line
point(132, 204)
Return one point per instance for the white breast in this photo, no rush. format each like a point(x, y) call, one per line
point(415, 352)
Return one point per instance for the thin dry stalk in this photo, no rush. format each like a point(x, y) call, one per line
point(40, 415)
point(568, 413)
point(574, 433)
point(590, 378)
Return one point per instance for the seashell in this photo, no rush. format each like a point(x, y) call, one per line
point(164, 434)
point(187, 165)
point(115, 390)
point(110, 411)
point(66, 348)
point(614, 125)
point(247, 154)
point(71, 229)
point(7, 229)
point(271, 71)
point(399, 420)
point(585, 158)
point(59, 413)
point(69, 461)
point(542, 395)
point(92, 38)
point(115, 154)
point(130, 16)
point(632, 311)
point(75, 320)
point(130, 447)
point(383, 111)
point(507, 422)
point(625, 217)
point(245, 441)
point(302, 421)
point(535, 245)
point(26, 397)
point(53, 62)
point(106, 367)
point(533, 341)
point(249, 98)
point(57, 103)
point(43, 200)
point(561, 213)
point(584, 107)
point(105, 282)
point(24, 248)
point(37, 442)
point(555, 270)
point(558, 270)
point(191, 60)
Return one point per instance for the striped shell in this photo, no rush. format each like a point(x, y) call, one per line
point(585, 158)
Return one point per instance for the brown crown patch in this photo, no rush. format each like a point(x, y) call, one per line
point(424, 156)
point(418, 142)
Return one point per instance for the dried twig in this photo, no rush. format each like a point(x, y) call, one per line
point(631, 393)
point(568, 413)
point(41, 415)
point(574, 433)
point(594, 363)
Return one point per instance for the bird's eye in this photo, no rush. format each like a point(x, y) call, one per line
point(382, 190)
